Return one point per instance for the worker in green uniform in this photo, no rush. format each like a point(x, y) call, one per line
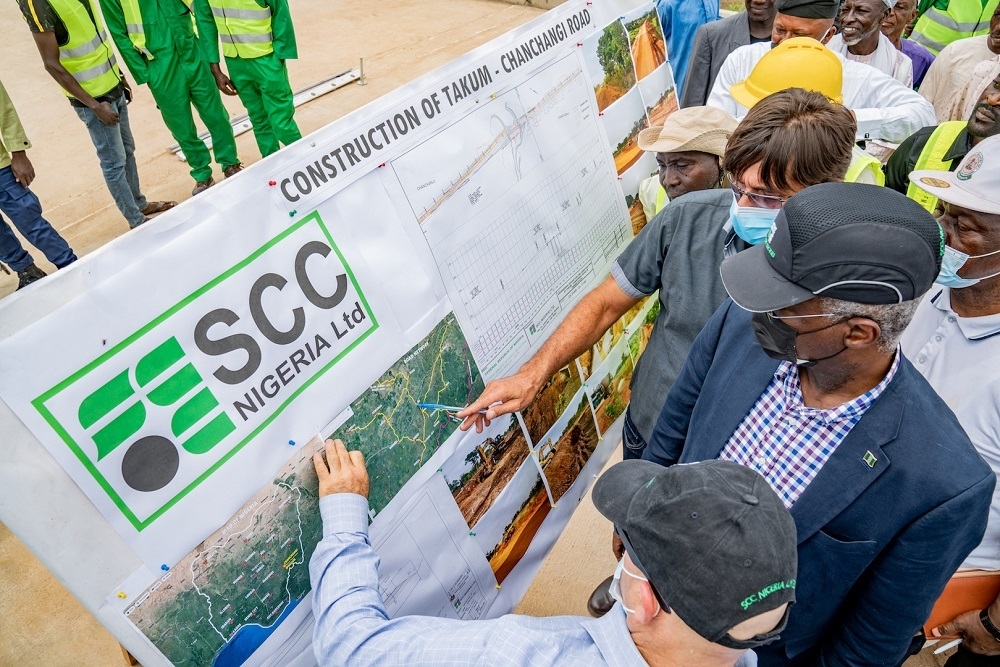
point(77, 53)
point(156, 40)
point(257, 38)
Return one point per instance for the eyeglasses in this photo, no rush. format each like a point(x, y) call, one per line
point(771, 316)
point(759, 201)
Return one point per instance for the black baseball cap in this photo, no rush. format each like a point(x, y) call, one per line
point(849, 241)
point(808, 9)
point(716, 544)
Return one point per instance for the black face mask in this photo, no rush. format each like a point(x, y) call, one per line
point(778, 339)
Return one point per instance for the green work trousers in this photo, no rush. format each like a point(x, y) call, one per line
point(262, 84)
point(179, 82)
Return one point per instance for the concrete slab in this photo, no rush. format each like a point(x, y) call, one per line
point(40, 622)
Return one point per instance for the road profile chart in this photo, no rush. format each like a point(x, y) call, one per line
point(529, 221)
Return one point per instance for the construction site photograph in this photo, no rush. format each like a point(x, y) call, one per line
point(639, 337)
point(623, 123)
point(564, 454)
point(662, 108)
point(609, 59)
point(635, 212)
point(483, 465)
point(631, 182)
point(609, 388)
point(551, 402)
point(512, 522)
point(646, 40)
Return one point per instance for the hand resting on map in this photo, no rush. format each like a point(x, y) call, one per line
point(341, 471)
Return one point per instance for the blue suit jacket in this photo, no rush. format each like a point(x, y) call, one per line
point(876, 544)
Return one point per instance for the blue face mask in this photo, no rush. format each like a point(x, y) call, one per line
point(952, 263)
point(751, 223)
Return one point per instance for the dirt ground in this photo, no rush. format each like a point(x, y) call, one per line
point(40, 622)
point(660, 112)
point(647, 51)
point(331, 38)
point(628, 155)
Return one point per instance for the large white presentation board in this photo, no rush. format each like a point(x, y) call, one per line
point(162, 397)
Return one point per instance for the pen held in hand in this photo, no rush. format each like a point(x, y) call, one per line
point(444, 408)
point(947, 646)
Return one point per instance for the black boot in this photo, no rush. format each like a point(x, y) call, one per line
point(28, 275)
point(600, 601)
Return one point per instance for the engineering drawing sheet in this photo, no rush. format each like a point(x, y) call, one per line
point(400, 257)
point(530, 220)
point(429, 564)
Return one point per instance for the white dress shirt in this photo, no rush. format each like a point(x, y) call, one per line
point(886, 57)
point(951, 70)
point(960, 357)
point(885, 108)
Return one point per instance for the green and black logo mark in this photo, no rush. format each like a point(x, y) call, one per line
point(166, 380)
point(159, 413)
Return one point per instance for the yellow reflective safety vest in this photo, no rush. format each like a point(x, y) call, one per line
point(244, 28)
point(862, 165)
point(87, 55)
point(134, 27)
point(932, 157)
point(652, 195)
point(938, 28)
point(661, 200)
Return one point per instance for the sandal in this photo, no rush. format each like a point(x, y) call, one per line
point(154, 207)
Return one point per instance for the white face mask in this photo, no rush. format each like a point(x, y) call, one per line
point(616, 587)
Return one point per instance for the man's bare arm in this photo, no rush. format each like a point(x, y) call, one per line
point(48, 48)
point(583, 326)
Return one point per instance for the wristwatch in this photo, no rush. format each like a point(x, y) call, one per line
point(984, 618)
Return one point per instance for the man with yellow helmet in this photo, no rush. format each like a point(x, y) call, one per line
point(802, 62)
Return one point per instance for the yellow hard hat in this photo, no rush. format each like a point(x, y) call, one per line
point(798, 62)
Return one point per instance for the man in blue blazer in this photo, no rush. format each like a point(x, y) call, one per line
point(801, 379)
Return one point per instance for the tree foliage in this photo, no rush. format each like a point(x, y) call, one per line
point(615, 57)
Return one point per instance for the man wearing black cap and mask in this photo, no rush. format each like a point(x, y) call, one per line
point(709, 573)
point(800, 378)
point(885, 108)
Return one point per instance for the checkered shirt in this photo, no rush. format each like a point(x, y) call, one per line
point(787, 442)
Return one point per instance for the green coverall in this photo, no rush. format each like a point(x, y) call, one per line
point(178, 77)
point(261, 83)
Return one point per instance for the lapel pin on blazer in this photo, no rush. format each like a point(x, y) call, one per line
point(869, 459)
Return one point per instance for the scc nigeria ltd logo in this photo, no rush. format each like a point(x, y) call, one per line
point(151, 461)
point(161, 412)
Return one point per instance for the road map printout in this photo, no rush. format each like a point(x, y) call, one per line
point(394, 262)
